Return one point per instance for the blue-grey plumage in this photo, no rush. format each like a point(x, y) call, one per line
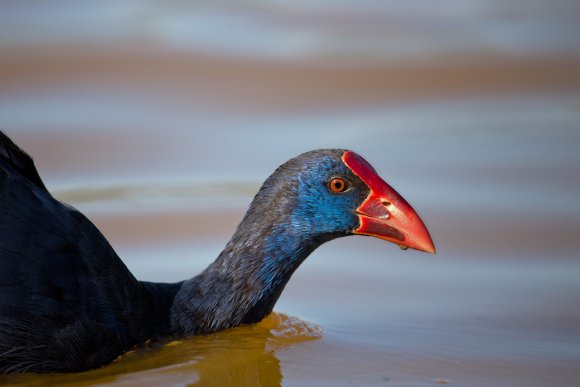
point(293, 213)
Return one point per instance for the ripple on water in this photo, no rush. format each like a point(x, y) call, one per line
point(241, 356)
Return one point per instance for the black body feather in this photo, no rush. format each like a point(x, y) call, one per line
point(60, 280)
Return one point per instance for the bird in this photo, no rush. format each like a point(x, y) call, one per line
point(68, 303)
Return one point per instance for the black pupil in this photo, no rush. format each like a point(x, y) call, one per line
point(337, 185)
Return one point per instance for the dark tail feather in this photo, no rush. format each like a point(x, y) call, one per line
point(20, 160)
point(42, 346)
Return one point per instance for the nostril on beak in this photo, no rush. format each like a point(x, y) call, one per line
point(386, 203)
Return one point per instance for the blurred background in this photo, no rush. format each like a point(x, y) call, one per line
point(160, 120)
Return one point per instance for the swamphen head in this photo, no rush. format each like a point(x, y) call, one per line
point(336, 192)
point(311, 199)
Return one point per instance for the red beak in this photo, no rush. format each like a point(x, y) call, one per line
point(384, 213)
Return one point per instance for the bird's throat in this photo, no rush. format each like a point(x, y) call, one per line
point(243, 284)
point(279, 230)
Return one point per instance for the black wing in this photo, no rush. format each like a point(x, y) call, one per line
point(55, 264)
point(11, 154)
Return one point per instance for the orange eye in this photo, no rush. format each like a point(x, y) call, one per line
point(337, 185)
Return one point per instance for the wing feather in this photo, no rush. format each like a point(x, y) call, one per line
point(55, 262)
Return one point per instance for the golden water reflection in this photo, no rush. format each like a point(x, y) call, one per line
point(243, 356)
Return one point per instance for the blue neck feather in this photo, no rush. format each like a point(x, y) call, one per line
point(292, 214)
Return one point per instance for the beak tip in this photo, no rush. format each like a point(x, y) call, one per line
point(421, 240)
point(431, 250)
point(429, 246)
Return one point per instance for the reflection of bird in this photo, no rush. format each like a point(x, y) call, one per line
point(68, 303)
point(246, 355)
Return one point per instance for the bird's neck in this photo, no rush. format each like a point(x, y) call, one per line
point(242, 285)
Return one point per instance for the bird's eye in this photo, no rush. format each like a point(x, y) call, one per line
point(338, 185)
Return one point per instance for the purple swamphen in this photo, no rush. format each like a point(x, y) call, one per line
point(68, 303)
